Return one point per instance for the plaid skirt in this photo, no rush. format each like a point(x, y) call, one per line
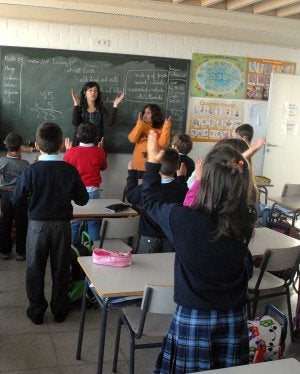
point(204, 340)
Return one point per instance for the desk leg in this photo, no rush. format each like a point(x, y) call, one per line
point(82, 320)
point(103, 321)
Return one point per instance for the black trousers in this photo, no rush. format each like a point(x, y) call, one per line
point(48, 239)
point(10, 214)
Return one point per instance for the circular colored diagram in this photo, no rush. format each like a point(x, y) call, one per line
point(218, 77)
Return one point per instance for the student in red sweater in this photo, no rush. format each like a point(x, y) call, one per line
point(89, 160)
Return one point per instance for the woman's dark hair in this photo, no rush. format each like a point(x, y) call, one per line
point(223, 193)
point(83, 101)
point(157, 117)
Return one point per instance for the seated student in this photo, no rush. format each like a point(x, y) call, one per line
point(183, 144)
point(89, 160)
point(152, 239)
point(11, 167)
point(51, 184)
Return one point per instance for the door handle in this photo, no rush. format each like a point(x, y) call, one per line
point(271, 145)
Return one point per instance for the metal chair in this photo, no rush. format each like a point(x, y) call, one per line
point(152, 319)
point(289, 190)
point(274, 260)
point(118, 234)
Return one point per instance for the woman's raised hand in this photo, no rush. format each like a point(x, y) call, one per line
point(119, 99)
point(75, 97)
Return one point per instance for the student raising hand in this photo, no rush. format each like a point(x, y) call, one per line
point(154, 152)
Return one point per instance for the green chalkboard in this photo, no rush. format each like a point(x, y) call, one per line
point(36, 87)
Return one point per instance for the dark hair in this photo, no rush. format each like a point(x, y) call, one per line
point(169, 162)
point(245, 130)
point(87, 132)
point(13, 142)
point(223, 193)
point(183, 143)
point(83, 101)
point(238, 144)
point(49, 137)
point(157, 117)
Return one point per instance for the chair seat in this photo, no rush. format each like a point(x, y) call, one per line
point(157, 325)
point(116, 245)
point(269, 281)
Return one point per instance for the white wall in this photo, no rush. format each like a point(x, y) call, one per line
point(77, 37)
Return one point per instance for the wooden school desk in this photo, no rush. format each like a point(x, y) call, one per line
point(286, 366)
point(95, 208)
point(155, 268)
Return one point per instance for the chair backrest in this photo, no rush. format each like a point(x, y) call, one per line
point(290, 189)
point(158, 299)
point(119, 228)
point(281, 258)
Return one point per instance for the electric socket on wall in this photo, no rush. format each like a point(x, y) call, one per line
point(104, 42)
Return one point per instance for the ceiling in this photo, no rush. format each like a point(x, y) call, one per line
point(275, 8)
point(272, 22)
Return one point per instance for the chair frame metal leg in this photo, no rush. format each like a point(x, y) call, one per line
point(117, 344)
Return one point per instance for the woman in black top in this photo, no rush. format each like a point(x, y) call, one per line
point(89, 108)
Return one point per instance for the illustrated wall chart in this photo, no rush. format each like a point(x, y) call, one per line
point(219, 89)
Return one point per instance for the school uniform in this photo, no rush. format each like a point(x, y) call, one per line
point(51, 184)
point(11, 168)
point(210, 288)
point(152, 239)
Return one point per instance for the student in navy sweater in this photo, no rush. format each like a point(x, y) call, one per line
point(209, 327)
point(172, 190)
point(50, 184)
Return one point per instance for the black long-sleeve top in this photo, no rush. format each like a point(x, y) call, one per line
point(50, 186)
point(208, 275)
point(101, 118)
point(173, 192)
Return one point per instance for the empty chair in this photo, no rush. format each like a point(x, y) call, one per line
point(277, 211)
point(274, 260)
point(118, 234)
point(152, 319)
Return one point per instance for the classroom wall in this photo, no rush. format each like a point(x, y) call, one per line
point(87, 38)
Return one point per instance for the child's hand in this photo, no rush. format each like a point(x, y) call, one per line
point(75, 97)
point(155, 154)
point(259, 143)
point(198, 169)
point(182, 169)
point(101, 143)
point(68, 143)
point(130, 165)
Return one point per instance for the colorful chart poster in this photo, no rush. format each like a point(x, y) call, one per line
point(258, 76)
point(213, 119)
point(218, 76)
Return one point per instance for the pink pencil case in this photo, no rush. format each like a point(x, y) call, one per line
point(109, 258)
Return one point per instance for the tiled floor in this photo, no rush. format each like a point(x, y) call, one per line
point(50, 348)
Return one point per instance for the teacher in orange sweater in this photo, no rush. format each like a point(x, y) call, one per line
point(150, 118)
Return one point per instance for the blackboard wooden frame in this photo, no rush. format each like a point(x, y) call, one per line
point(35, 87)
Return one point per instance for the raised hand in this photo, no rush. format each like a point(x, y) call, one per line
point(101, 143)
point(119, 99)
point(75, 97)
point(182, 169)
point(155, 154)
point(198, 169)
point(68, 143)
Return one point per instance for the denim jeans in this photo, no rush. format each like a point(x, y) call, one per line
point(93, 227)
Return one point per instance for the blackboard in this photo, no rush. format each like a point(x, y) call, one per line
point(36, 87)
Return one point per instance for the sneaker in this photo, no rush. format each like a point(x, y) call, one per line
point(37, 320)
point(20, 257)
point(6, 256)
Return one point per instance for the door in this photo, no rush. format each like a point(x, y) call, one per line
point(282, 150)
